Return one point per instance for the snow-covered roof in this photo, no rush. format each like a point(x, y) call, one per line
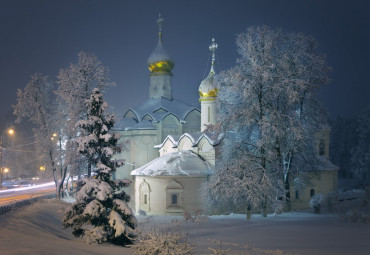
point(212, 137)
point(157, 109)
point(132, 124)
point(180, 163)
point(324, 164)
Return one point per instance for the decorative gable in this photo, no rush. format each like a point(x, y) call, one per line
point(160, 110)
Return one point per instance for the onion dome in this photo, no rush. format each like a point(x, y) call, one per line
point(208, 89)
point(160, 61)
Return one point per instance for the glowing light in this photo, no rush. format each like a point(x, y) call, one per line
point(11, 131)
point(42, 168)
point(6, 170)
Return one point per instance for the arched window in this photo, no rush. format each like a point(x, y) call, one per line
point(174, 198)
point(322, 147)
point(312, 192)
point(144, 196)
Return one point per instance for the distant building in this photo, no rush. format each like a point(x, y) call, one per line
point(322, 181)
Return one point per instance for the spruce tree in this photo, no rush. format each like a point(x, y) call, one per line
point(100, 212)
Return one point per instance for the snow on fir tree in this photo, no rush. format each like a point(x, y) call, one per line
point(100, 212)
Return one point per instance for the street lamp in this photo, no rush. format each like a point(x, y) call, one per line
point(10, 132)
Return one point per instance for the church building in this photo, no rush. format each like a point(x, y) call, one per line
point(148, 124)
point(169, 153)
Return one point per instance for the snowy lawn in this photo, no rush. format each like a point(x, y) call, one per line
point(38, 230)
point(290, 233)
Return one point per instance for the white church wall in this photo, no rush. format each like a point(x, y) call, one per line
point(167, 147)
point(207, 151)
point(161, 190)
point(160, 86)
point(186, 144)
point(208, 113)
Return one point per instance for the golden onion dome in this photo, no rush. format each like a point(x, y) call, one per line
point(160, 61)
point(208, 88)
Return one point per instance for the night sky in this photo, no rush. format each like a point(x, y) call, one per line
point(44, 36)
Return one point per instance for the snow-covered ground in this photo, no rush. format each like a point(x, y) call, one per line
point(38, 230)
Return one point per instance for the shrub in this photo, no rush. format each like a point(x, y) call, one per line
point(316, 201)
point(331, 201)
point(163, 240)
point(354, 216)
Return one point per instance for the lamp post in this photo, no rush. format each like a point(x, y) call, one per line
point(10, 132)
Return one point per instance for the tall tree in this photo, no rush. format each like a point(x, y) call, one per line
point(272, 90)
point(75, 86)
point(36, 103)
point(101, 202)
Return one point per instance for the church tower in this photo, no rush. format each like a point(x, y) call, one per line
point(208, 93)
point(160, 65)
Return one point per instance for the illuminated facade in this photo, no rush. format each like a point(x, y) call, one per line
point(169, 153)
point(171, 183)
point(144, 126)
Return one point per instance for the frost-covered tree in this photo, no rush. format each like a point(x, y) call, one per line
point(360, 154)
point(36, 103)
point(100, 212)
point(75, 86)
point(272, 91)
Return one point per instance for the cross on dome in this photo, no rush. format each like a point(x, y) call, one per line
point(213, 48)
point(160, 21)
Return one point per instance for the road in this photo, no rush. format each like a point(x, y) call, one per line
point(9, 196)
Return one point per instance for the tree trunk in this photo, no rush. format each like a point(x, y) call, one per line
point(287, 192)
point(249, 212)
point(89, 169)
point(264, 208)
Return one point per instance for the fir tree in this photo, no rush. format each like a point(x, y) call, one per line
point(100, 212)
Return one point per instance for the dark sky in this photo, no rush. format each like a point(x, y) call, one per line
point(44, 36)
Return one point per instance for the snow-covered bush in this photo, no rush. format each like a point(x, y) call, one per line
point(187, 216)
point(331, 201)
point(278, 206)
point(354, 216)
point(100, 212)
point(316, 202)
point(163, 240)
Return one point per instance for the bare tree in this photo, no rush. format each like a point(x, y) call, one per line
point(269, 99)
point(75, 86)
point(36, 103)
